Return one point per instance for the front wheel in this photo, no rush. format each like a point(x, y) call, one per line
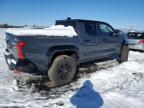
point(63, 70)
point(124, 53)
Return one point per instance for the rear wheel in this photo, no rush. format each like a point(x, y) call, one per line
point(124, 53)
point(63, 70)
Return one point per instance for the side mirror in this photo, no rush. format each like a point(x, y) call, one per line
point(113, 33)
point(117, 31)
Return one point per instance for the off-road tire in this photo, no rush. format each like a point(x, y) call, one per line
point(62, 70)
point(124, 53)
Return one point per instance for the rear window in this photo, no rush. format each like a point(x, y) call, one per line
point(135, 35)
point(91, 28)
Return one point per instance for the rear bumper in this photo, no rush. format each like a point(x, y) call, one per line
point(137, 47)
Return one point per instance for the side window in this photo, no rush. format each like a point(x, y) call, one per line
point(91, 28)
point(105, 29)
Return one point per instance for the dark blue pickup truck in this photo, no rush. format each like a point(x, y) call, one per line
point(56, 52)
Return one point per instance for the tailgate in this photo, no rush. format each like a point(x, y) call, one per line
point(11, 50)
point(11, 42)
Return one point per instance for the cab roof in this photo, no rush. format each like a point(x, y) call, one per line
point(78, 20)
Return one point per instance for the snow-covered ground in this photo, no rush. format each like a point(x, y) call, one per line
point(119, 86)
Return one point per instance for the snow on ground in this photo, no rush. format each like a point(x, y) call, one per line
point(58, 30)
point(119, 86)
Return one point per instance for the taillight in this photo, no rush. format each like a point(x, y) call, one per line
point(141, 42)
point(20, 45)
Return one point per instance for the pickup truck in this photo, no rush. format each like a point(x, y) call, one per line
point(58, 51)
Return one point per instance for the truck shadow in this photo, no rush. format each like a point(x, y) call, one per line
point(46, 87)
point(96, 66)
point(90, 68)
point(54, 92)
point(135, 50)
point(87, 97)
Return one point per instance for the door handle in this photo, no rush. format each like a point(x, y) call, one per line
point(87, 40)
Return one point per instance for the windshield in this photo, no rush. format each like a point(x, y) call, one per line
point(135, 35)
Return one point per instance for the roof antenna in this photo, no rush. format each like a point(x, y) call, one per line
point(68, 18)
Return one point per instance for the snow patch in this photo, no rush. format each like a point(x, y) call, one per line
point(57, 30)
point(121, 86)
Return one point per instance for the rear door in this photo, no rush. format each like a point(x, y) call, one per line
point(93, 46)
point(111, 41)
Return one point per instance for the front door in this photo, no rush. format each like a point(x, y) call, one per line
point(111, 41)
point(92, 44)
